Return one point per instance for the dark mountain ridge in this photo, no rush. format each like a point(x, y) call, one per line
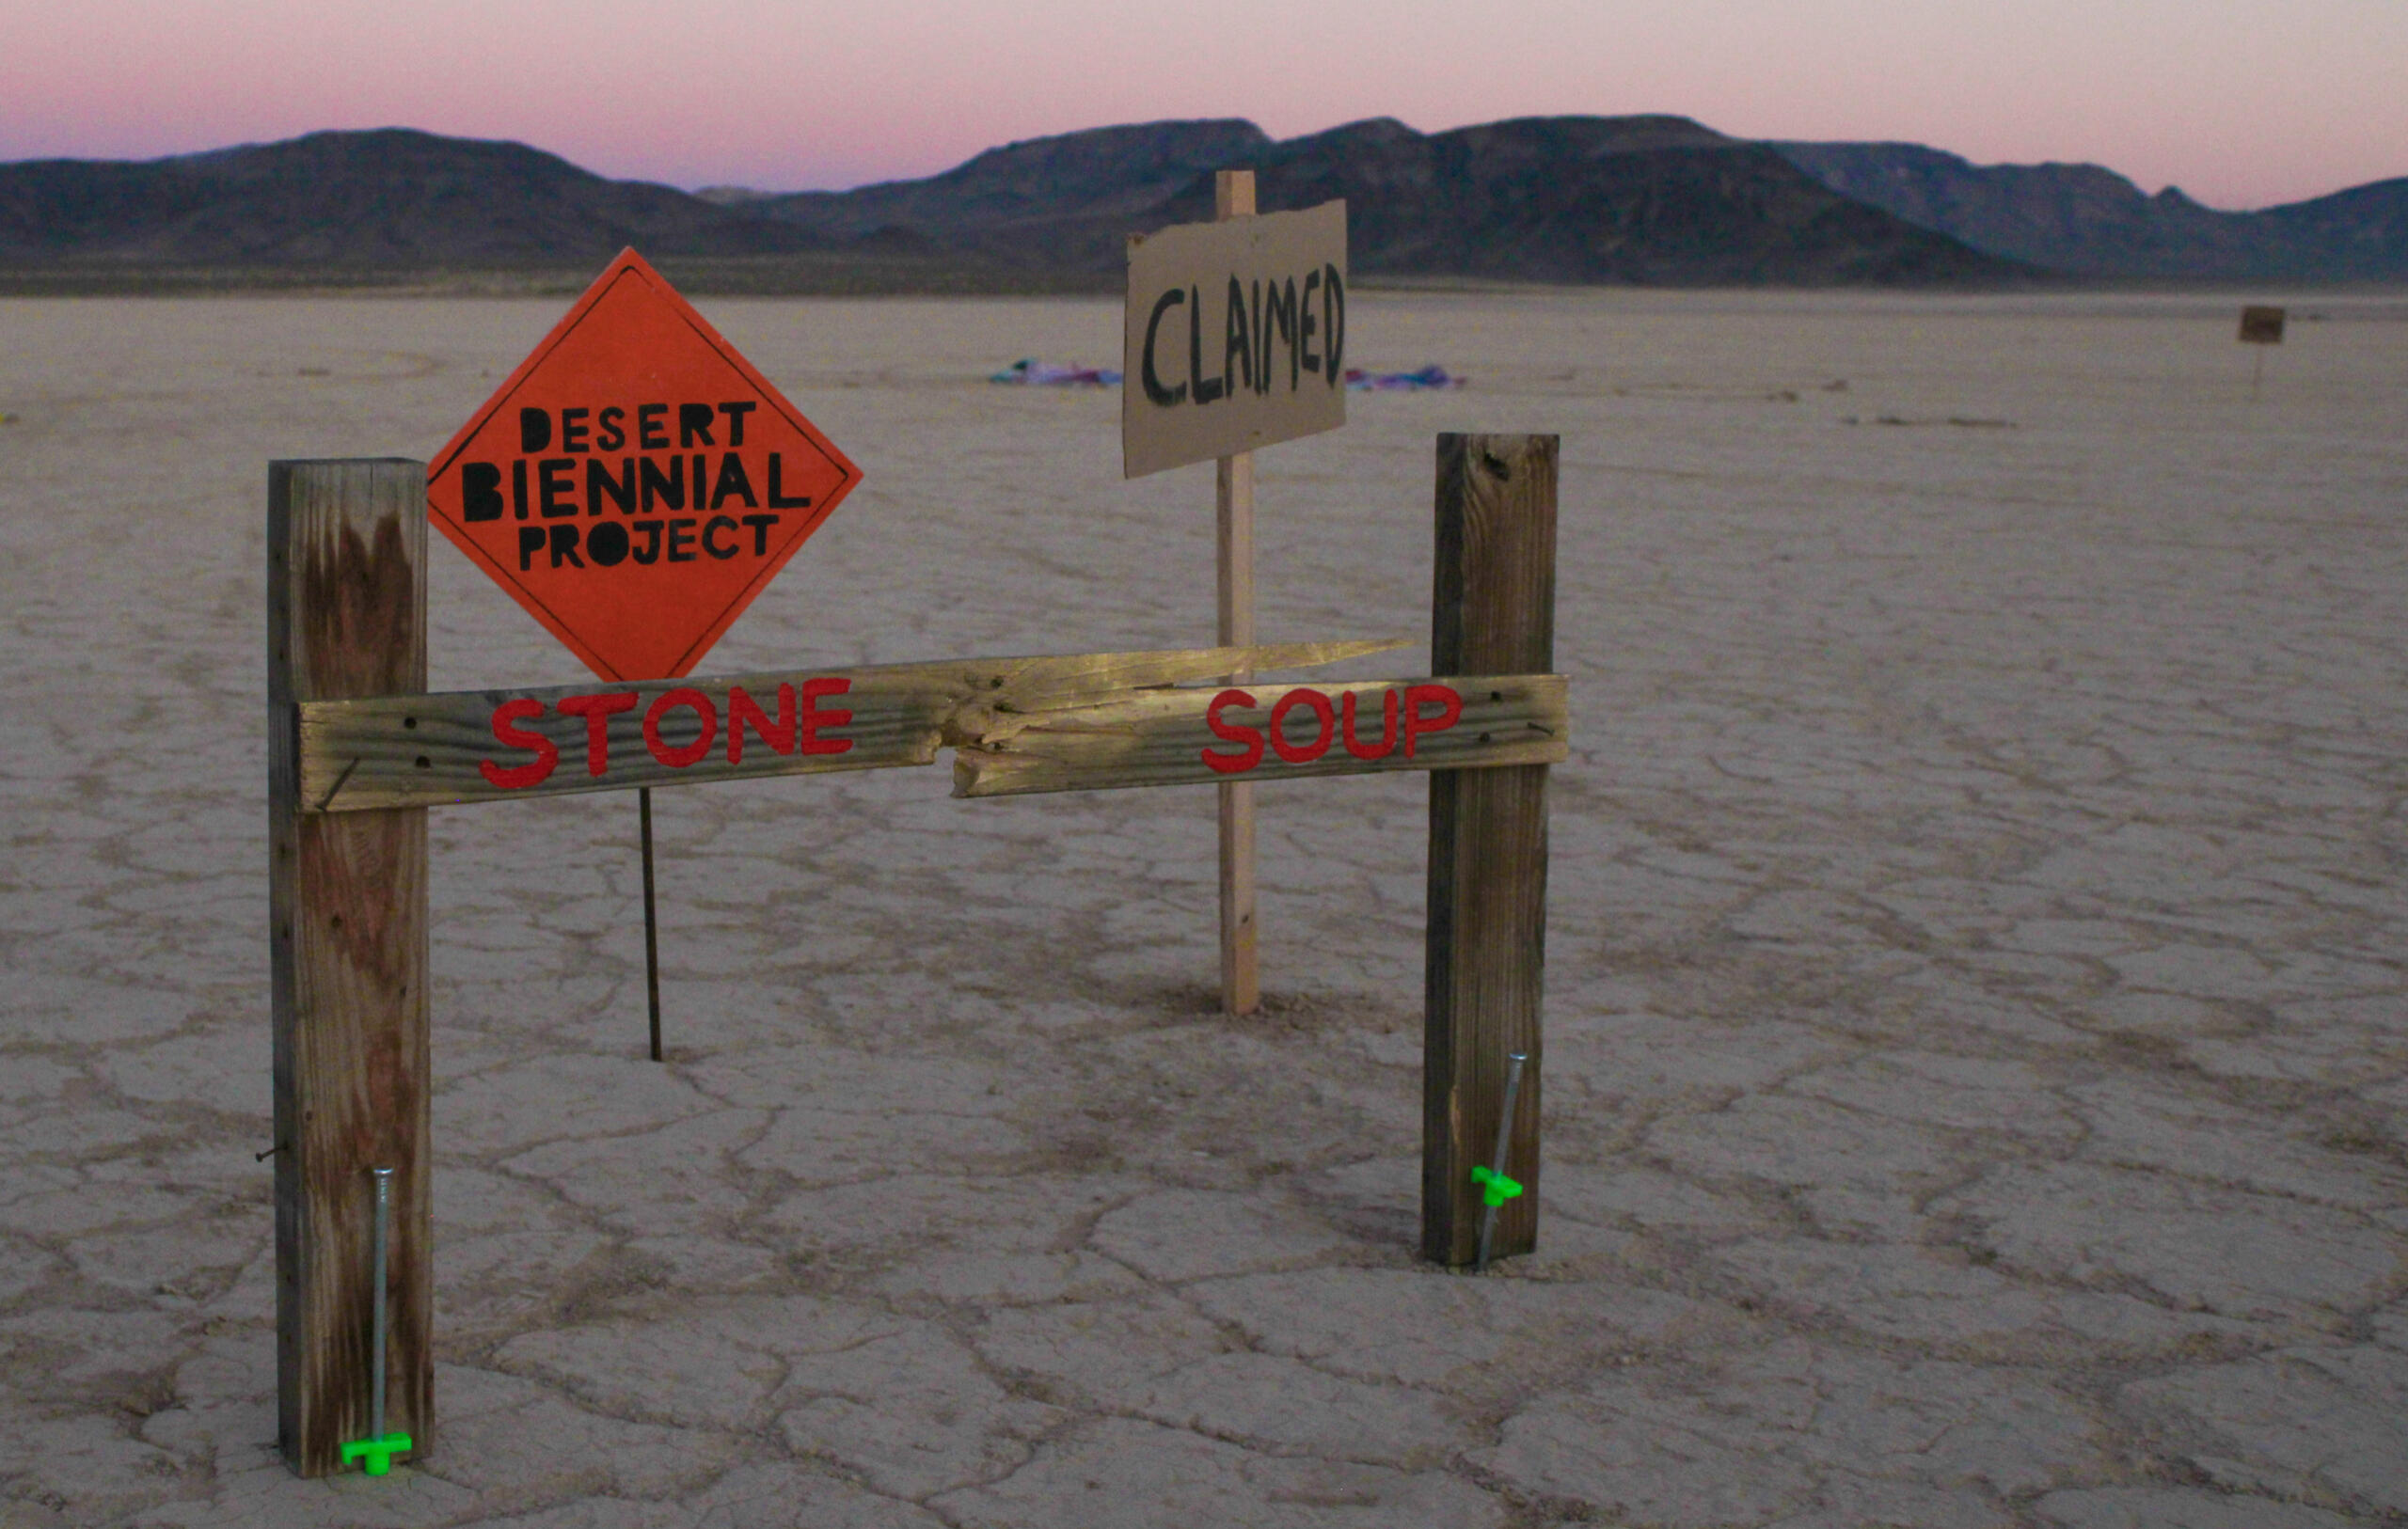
point(1646, 201)
point(1103, 173)
point(1637, 200)
point(392, 198)
point(1657, 201)
point(1653, 200)
point(2089, 221)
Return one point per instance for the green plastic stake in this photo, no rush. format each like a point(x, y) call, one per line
point(1495, 1188)
point(376, 1454)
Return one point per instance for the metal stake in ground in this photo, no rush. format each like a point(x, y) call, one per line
point(375, 1453)
point(651, 925)
point(1500, 1189)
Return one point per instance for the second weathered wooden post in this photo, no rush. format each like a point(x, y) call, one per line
point(1494, 613)
point(347, 899)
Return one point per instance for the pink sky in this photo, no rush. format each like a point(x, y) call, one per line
point(2241, 103)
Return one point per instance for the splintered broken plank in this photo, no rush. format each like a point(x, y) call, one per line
point(472, 746)
point(1166, 737)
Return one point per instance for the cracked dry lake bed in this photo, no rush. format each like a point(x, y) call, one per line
point(1977, 1075)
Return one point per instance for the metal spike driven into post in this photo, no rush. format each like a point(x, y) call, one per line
point(1493, 1180)
point(375, 1453)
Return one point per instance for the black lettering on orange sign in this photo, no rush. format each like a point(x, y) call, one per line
point(556, 477)
point(621, 486)
point(480, 491)
point(662, 486)
point(734, 483)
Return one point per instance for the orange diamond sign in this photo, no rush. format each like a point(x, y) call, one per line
point(635, 482)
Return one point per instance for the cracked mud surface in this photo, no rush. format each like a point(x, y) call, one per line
point(1978, 1078)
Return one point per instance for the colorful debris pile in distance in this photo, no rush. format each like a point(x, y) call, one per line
point(1432, 379)
point(1030, 373)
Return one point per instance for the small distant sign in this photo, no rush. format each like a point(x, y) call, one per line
point(2262, 326)
point(635, 482)
point(1235, 336)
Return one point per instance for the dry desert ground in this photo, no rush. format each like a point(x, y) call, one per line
point(1977, 1074)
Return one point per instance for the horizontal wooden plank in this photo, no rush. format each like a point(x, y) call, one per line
point(469, 746)
point(1168, 737)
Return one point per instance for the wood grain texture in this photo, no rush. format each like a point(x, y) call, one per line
point(346, 606)
point(1233, 503)
point(1158, 738)
point(423, 751)
point(1493, 612)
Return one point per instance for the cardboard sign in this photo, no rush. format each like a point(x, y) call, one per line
point(2262, 326)
point(635, 482)
point(1235, 336)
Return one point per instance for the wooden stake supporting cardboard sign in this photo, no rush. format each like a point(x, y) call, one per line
point(1234, 612)
point(1233, 338)
point(2260, 326)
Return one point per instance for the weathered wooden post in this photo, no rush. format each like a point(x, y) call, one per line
point(347, 899)
point(1494, 613)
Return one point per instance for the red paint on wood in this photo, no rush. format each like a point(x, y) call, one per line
point(1451, 710)
point(815, 716)
point(1314, 702)
point(1426, 709)
point(1250, 741)
point(1387, 727)
point(535, 771)
point(744, 712)
point(678, 756)
point(597, 710)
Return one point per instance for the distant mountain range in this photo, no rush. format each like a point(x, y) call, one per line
point(1647, 200)
point(2087, 221)
point(393, 198)
point(1632, 200)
